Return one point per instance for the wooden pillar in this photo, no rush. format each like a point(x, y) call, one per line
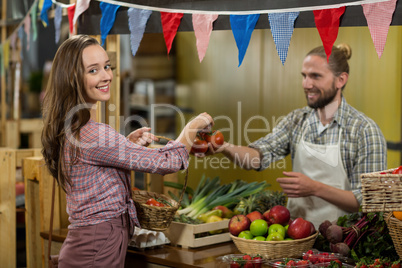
point(8, 236)
point(112, 108)
point(3, 76)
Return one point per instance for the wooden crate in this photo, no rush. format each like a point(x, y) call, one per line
point(184, 235)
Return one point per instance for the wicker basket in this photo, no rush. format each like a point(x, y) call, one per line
point(395, 230)
point(382, 191)
point(275, 249)
point(152, 217)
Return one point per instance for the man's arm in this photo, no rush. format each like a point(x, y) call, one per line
point(243, 156)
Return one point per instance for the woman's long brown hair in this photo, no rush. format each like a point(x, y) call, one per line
point(65, 92)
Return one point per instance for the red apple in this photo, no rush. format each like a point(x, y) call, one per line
point(278, 214)
point(226, 212)
point(238, 223)
point(255, 215)
point(265, 215)
point(299, 228)
point(313, 230)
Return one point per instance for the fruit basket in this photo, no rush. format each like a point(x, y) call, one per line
point(275, 249)
point(152, 217)
point(395, 230)
point(381, 191)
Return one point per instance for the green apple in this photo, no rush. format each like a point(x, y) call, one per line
point(246, 235)
point(288, 238)
point(275, 236)
point(259, 238)
point(259, 227)
point(277, 228)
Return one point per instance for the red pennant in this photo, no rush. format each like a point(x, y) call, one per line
point(170, 24)
point(327, 23)
point(70, 14)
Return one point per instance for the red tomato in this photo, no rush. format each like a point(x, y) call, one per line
point(153, 202)
point(199, 146)
point(257, 262)
point(398, 170)
point(234, 265)
point(215, 138)
point(247, 257)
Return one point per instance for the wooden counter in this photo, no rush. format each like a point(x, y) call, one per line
point(164, 256)
point(178, 257)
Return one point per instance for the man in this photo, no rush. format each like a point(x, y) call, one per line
point(330, 142)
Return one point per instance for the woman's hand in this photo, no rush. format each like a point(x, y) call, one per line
point(142, 136)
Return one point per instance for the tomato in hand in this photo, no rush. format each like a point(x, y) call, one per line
point(153, 202)
point(398, 170)
point(199, 146)
point(215, 138)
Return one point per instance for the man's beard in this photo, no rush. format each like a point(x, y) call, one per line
point(324, 99)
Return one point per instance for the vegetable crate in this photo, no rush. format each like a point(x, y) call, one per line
point(382, 191)
point(186, 235)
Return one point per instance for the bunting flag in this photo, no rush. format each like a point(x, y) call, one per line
point(170, 24)
point(108, 17)
point(70, 15)
point(282, 25)
point(327, 23)
point(137, 21)
point(27, 29)
point(33, 19)
point(80, 7)
point(379, 17)
point(1, 59)
point(43, 13)
point(242, 28)
point(6, 54)
point(202, 25)
point(57, 23)
point(21, 37)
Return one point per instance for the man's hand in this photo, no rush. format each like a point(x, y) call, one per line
point(297, 184)
point(142, 136)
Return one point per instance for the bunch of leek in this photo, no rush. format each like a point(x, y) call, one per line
point(210, 193)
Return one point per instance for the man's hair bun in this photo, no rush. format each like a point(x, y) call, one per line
point(346, 49)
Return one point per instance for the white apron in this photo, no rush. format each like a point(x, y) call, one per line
point(322, 163)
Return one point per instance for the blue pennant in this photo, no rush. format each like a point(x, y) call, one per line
point(108, 17)
point(43, 13)
point(242, 28)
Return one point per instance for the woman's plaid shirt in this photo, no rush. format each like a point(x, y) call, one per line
point(101, 177)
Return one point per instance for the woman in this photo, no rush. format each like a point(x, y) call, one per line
point(92, 162)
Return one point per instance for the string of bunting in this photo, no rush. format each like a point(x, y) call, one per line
point(378, 14)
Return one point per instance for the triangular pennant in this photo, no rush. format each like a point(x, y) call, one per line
point(6, 54)
point(33, 17)
point(170, 24)
point(379, 17)
point(27, 29)
point(137, 21)
point(1, 58)
point(47, 4)
point(202, 25)
point(108, 17)
point(327, 23)
point(282, 25)
point(242, 28)
point(80, 7)
point(58, 14)
point(70, 15)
